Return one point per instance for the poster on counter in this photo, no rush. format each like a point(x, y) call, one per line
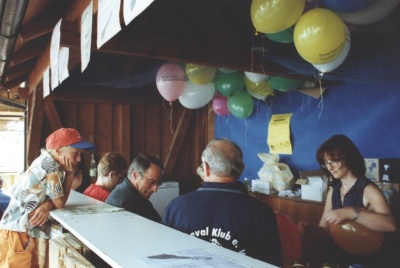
point(279, 134)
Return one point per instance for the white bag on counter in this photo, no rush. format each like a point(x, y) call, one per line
point(278, 174)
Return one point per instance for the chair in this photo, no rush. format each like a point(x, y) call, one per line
point(290, 238)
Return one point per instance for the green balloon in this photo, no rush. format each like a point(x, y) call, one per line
point(229, 84)
point(241, 104)
point(285, 36)
point(284, 83)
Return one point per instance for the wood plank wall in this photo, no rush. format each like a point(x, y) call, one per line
point(132, 124)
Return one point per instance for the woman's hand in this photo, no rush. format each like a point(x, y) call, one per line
point(337, 216)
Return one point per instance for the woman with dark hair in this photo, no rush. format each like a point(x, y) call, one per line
point(353, 197)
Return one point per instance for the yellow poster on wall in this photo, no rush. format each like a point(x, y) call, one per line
point(279, 134)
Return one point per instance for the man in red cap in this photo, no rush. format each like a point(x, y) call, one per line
point(44, 186)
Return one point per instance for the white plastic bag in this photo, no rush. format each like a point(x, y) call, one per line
point(278, 174)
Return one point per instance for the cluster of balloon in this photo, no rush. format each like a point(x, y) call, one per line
point(272, 16)
point(355, 238)
point(170, 81)
point(284, 83)
point(319, 36)
point(367, 13)
point(258, 88)
point(239, 102)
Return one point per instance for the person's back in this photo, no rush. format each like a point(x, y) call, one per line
point(225, 215)
point(222, 212)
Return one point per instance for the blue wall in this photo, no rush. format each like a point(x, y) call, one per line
point(368, 114)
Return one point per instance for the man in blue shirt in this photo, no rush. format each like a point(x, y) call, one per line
point(222, 212)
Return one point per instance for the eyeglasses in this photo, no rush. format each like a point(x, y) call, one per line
point(333, 163)
point(152, 182)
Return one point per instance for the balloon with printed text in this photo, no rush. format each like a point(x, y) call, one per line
point(170, 81)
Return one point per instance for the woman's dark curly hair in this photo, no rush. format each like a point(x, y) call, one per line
point(341, 148)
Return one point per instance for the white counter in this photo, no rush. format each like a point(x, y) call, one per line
point(122, 238)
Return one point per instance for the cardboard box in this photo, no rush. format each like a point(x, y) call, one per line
point(315, 189)
point(263, 187)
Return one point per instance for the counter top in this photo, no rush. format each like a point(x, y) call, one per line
point(122, 238)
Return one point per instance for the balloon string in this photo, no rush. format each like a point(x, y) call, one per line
point(252, 50)
point(229, 117)
point(170, 119)
point(245, 133)
point(218, 125)
point(258, 101)
point(262, 58)
point(321, 102)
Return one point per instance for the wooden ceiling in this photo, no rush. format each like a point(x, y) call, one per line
point(210, 32)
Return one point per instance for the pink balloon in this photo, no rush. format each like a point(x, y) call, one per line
point(220, 105)
point(170, 81)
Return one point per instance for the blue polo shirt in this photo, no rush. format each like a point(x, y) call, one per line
point(224, 214)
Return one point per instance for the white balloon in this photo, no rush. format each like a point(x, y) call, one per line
point(255, 77)
point(196, 96)
point(336, 62)
point(376, 11)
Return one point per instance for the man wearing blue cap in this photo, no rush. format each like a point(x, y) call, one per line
point(44, 186)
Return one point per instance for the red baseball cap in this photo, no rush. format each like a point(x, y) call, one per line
point(68, 137)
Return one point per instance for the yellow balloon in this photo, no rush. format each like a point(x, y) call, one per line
point(200, 74)
point(272, 16)
point(262, 88)
point(319, 36)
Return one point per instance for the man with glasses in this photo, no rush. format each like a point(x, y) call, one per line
point(133, 193)
point(222, 212)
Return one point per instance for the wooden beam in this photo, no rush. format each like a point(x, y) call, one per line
point(52, 114)
point(15, 82)
point(32, 50)
point(180, 132)
point(19, 70)
point(111, 98)
point(43, 25)
point(36, 75)
point(35, 125)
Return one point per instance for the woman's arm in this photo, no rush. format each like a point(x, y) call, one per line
point(327, 209)
point(377, 217)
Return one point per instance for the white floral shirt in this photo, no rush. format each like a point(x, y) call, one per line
point(41, 182)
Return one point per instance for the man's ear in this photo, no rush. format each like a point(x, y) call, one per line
point(206, 169)
point(135, 175)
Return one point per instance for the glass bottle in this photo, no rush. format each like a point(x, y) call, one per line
point(93, 170)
